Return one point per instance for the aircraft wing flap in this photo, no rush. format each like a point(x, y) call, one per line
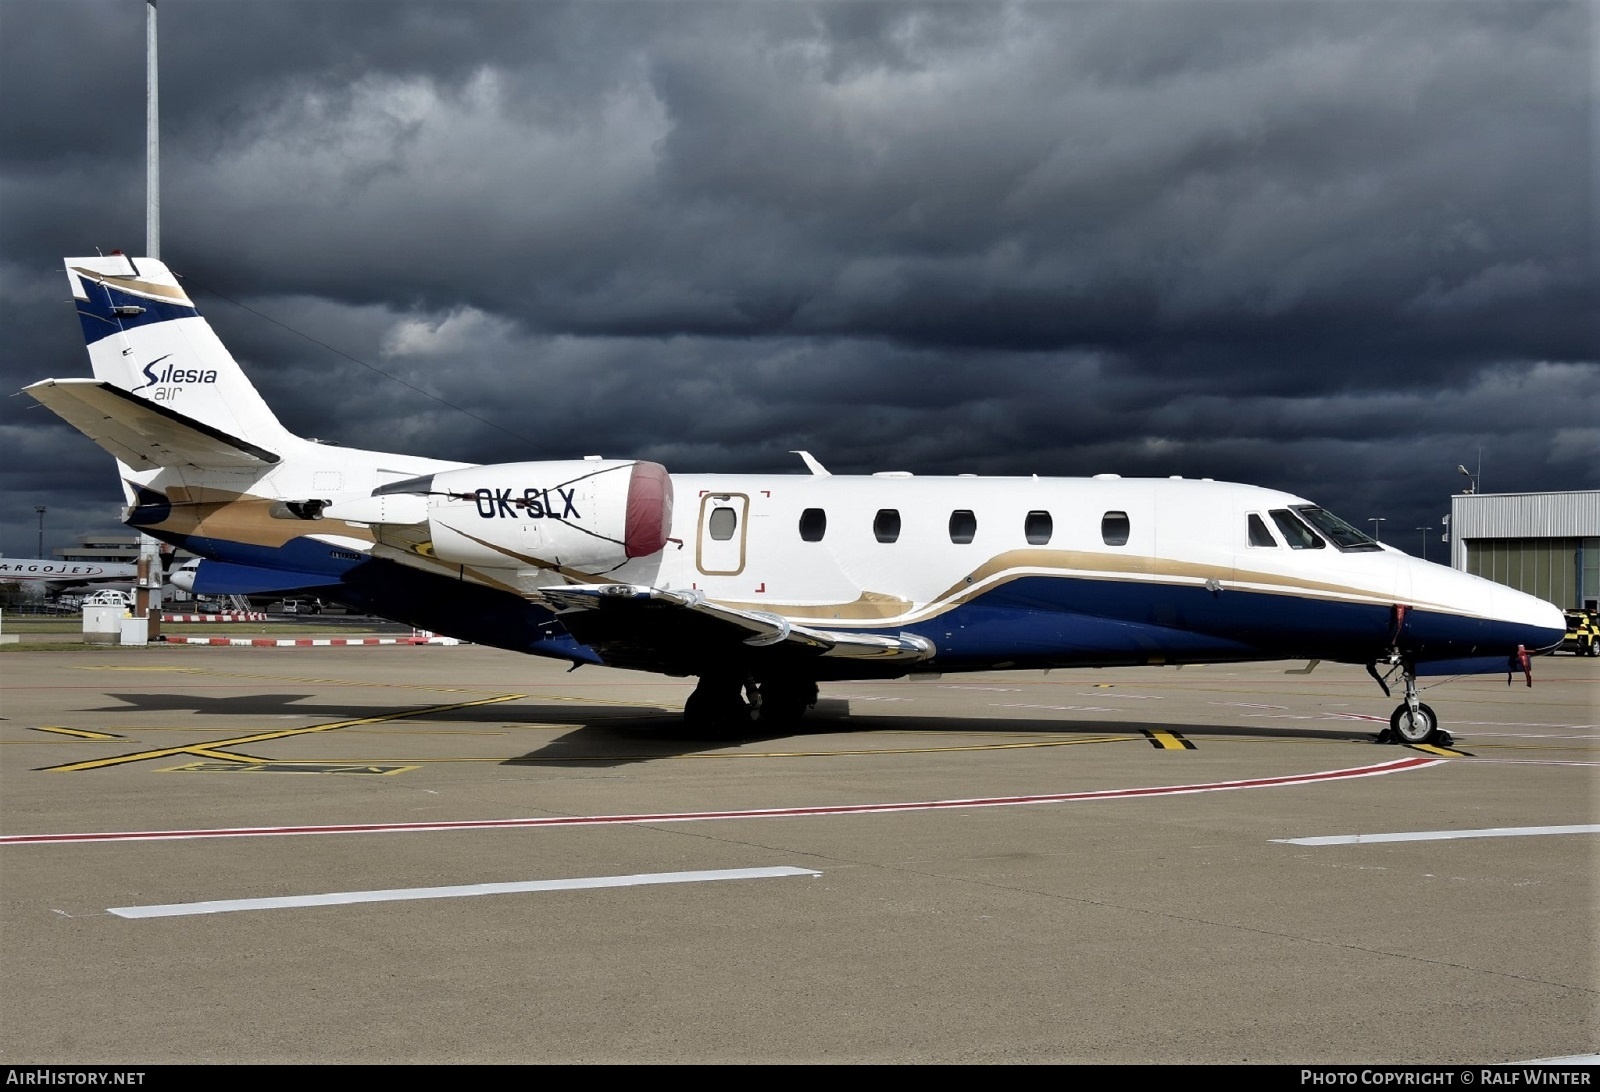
point(143, 434)
point(756, 629)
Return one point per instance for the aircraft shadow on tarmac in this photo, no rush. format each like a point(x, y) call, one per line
point(611, 735)
point(280, 705)
point(643, 736)
point(244, 705)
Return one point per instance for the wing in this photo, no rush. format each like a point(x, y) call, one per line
point(142, 434)
point(682, 632)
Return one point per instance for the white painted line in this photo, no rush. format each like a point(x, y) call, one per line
point(1438, 835)
point(406, 894)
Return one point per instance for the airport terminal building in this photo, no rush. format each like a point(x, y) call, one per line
point(1545, 544)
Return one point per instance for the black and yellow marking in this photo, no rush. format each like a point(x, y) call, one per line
point(80, 733)
point(226, 756)
point(1442, 752)
point(1163, 740)
point(210, 750)
point(290, 767)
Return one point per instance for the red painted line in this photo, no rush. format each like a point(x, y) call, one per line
point(306, 642)
point(694, 816)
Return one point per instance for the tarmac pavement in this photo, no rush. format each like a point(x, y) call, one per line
point(438, 854)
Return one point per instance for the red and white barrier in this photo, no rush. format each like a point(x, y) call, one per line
point(236, 616)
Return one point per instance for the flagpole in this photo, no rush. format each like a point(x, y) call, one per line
point(147, 591)
point(152, 152)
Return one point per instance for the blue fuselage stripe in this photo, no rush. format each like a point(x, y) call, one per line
point(1068, 620)
point(1040, 621)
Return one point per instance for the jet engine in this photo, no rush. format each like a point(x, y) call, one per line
point(589, 515)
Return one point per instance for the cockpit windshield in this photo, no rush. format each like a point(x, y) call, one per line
point(1338, 532)
point(1295, 532)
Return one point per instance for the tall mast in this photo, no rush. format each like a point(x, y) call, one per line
point(147, 592)
point(152, 151)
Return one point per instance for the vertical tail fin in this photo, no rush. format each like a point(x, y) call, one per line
point(146, 337)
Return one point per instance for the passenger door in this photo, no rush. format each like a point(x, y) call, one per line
point(720, 548)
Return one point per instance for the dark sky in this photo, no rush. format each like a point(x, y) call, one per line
point(1332, 247)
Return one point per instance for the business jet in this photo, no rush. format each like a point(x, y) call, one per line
point(761, 586)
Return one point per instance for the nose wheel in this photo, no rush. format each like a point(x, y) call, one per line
point(1413, 722)
point(1419, 725)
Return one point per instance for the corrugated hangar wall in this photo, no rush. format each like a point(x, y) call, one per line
point(1545, 544)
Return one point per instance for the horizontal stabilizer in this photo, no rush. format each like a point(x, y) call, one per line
point(757, 628)
point(142, 434)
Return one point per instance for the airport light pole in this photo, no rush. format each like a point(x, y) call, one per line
point(152, 138)
point(1424, 531)
point(39, 508)
point(147, 592)
point(1375, 520)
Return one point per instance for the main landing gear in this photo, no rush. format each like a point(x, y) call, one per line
point(1412, 722)
point(732, 705)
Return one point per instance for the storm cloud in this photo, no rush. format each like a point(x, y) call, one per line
point(1331, 247)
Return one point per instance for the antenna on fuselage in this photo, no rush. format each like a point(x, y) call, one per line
point(816, 468)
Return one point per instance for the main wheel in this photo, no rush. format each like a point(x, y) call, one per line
point(717, 711)
point(785, 701)
point(1413, 729)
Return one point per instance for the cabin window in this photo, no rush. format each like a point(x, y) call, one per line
point(1114, 528)
point(963, 525)
point(886, 527)
point(724, 521)
point(1296, 533)
point(813, 525)
point(1259, 535)
point(1340, 533)
point(1038, 527)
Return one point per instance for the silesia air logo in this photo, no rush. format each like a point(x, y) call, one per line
point(171, 376)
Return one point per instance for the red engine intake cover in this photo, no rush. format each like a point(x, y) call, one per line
point(649, 520)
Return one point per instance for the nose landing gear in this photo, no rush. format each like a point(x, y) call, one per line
point(1412, 722)
point(1418, 725)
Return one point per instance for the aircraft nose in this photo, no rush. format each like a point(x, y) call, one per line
point(1493, 617)
point(1543, 622)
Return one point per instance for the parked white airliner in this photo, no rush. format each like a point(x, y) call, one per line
point(60, 576)
point(761, 585)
